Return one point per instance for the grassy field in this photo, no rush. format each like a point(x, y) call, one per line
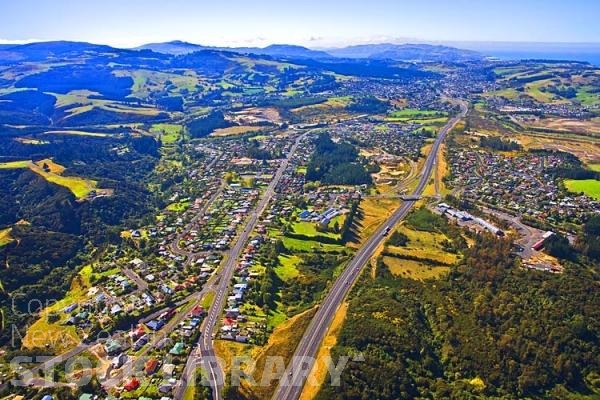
point(319, 370)
point(594, 167)
point(310, 229)
point(373, 212)
point(590, 187)
point(58, 337)
point(207, 300)
point(5, 237)
point(51, 166)
point(308, 245)
point(440, 171)
point(427, 245)
point(169, 133)
point(178, 207)
point(287, 268)
point(282, 342)
point(508, 93)
point(80, 187)
point(411, 113)
point(413, 269)
point(15, 164)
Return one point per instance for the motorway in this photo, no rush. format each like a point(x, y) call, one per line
point(290, 387)
point(215, 375)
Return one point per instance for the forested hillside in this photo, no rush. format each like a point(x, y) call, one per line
point(488, 329)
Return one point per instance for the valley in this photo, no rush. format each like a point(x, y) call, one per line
point(166, 207)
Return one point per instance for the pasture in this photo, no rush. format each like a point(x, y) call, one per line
point(5, 237)
point(424, 245)
point(589, 187)
point(414, 269)
point(169, 133)
point(52, 172)
point(15, 164)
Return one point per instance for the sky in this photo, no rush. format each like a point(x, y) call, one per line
point(312, 23)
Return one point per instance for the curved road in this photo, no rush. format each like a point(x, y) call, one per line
point(290, 386)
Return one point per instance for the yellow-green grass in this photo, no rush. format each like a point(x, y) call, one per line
point(413, 269)
point(308, 228)
point(51, 166)
point(309, 245)
point(207, 300)
point(59, 337)
point(170, 133)
point(15, 164)
point(180, 206)
point(590, 187)
point(5, 237)
point(75, 97)
point(287, 268)
point(426, 245)
point(319, 370)
point(414, 113)
point(533, 89)
point(332, 102)
point(80, 187)
point(508, 72)
point(509, 93)
point(421, 121)
point(282, 342)
point(594, 167)
point(146, 81)
point(373, 212)
point(338, 101)
point(251, 63)
point(587, 96)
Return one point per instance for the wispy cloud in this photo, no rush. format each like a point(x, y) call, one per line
point(18, 41)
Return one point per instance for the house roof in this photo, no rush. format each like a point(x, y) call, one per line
point(177, 349)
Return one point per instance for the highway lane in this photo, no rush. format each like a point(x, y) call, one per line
point(291, 385)
point(215, 375)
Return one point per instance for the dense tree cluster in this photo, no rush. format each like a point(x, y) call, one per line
point(170, 103)
point(369, 104)
point(591, 237)
point(204, 125)
point(45, 253)
point(568, 92)
point(254, 150)
point(336, 163)
point(496, 143)
point(65, 78)
point(520, 333)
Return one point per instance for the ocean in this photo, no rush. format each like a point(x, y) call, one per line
point(592, 58)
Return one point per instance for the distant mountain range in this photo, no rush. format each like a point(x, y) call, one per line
point(422, 52)
point(386, 51)
point(178, 47)
point(406, 52)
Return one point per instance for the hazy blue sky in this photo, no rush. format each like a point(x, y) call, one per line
point(308, 22)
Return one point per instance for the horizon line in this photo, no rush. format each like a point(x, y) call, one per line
point(392, 41)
